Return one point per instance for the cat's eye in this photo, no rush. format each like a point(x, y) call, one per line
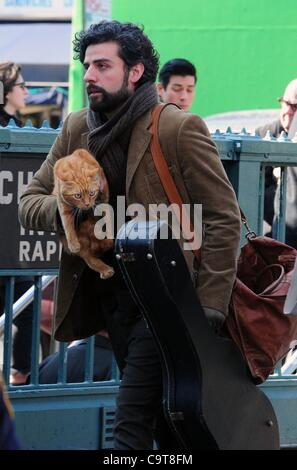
point(92, 193)
point(77, 195)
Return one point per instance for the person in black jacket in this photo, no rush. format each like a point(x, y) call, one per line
point(48, 369)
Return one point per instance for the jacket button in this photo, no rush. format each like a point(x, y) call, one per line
point(75, 276)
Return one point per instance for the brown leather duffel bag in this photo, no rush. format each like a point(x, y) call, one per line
point(256, 322)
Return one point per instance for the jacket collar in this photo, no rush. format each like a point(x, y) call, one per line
point(84, 139)
point(139, 142)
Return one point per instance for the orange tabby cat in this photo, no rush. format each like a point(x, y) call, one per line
point(80, 183)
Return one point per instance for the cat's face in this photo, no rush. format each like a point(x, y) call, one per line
point(81, 180)
point(84, 196)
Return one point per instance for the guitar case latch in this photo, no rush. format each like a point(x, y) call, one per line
point(177, 416)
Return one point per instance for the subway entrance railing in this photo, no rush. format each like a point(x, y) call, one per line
point(80, 416)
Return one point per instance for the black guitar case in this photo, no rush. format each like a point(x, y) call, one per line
point(210, 401)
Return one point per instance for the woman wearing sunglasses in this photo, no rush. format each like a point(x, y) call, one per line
point(13, 92)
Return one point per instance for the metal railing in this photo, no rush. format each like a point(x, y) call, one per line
point(25, 300)
point(13, 310)
point(244, 156)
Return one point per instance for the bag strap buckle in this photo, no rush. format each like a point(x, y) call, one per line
point(250, 233)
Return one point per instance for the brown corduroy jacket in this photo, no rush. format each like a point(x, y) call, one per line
point(199, 175)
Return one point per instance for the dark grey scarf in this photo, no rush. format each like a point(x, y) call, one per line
point(109, 139)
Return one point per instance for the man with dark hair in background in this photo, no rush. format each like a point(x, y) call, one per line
point(177, 83)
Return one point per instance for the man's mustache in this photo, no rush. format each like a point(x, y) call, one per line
point(95, 89)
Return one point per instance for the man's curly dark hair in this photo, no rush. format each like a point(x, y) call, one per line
point(134, 46)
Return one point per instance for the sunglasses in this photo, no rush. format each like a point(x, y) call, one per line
point(22, 85)
point(293, 106)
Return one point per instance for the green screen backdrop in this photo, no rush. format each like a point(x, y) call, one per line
point(245, 51)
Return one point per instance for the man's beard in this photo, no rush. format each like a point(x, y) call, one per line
point(109, 101)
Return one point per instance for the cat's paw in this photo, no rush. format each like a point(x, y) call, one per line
point(107, 273)
point(74, 247)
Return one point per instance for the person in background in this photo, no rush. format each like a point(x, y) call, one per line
point(177, 83)
point(15, 93)
point(13, 99)
point(288, 109)
point(48, 369)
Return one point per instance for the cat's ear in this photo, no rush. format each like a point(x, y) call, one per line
point(103, 185)
point(85, 155)
point(61, 171)
point(93, 173)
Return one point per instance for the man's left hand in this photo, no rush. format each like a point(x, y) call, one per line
point(215, 318)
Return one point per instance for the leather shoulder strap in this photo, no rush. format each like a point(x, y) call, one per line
point(167, 180)
point(170, 186)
